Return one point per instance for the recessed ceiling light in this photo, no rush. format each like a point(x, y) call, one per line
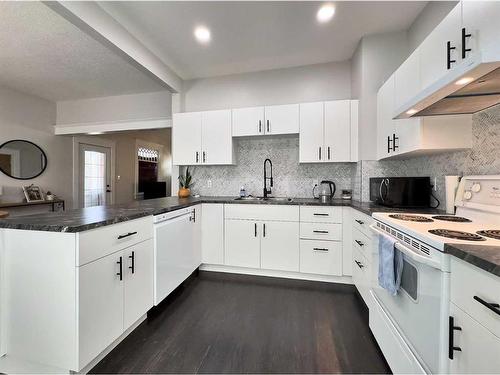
point(464, 81)
point(95, 133)
point(325, 13)
point(202, 34)
point(411, 111)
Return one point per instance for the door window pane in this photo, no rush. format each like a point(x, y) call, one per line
point(94, 182)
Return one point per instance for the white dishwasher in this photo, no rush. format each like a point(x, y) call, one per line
point(174, 248)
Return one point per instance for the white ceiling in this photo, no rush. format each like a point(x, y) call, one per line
point(43, 54)
point(253, 36)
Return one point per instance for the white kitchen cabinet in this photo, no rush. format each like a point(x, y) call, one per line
point(337, 131)
point(138, 281)
point(385, 123)
point(407, 79)
point(361, 275)
point(242, 243)
point(434, 59)
point(282, 119)
point(480, 20)
point(101, 305)
point(202, 138)
point(479, 347)
point(197, 222)
point(186, 138)
point(212, 235)
point(280, 246)
point(321, 257)
point(311, 139)
point(248, 121)
point(328, 131)
point(347, 217)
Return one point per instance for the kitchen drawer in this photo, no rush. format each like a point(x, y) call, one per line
point(321, 231)
point(361, 275)
point(261, 212)
point(363, 243)
point(319, 214)
point(361, 222)
point(97, 243)
point(321, 257)
point(467, 282)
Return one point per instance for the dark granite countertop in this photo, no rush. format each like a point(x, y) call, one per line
point(80, 220)
point(484, 257)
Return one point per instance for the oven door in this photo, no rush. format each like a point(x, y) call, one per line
point(418, 310)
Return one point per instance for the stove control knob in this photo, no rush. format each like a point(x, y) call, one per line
point(467, 195)
point(476, 187)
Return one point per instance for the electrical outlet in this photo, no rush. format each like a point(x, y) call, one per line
point(209, 183)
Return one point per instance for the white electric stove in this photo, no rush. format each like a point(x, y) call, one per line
point(419, 312)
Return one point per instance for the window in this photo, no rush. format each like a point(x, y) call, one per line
point(95, 178)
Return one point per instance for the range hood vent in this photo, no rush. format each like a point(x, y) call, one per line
point(472, 86)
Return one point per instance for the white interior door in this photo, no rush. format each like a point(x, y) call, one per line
point(95, 175)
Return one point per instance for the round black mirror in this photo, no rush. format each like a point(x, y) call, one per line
point(22, 160)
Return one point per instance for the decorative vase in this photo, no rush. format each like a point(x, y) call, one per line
point(184, 193)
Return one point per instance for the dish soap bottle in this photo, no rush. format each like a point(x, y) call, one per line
point(243, 192)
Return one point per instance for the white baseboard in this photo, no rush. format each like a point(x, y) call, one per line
point(272, 273)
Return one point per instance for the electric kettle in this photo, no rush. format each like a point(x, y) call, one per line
point(326, 190)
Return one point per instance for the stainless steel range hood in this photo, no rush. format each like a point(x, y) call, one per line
point(470, 87)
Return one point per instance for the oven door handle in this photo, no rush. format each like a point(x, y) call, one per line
point(409, 252)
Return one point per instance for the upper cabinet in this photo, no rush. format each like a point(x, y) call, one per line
point(328, 131)
point(480, 21)
point(202, 138)
point(407, 79)
point(269, 120)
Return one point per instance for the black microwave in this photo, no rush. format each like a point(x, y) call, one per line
point(403, 192)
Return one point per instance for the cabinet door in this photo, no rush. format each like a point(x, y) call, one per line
point(407, 79)
point(408, 135)
point(280, 246)
point(100, 305)
point(385, 109)
point(480, 348)
point(337, 131)
point(282, 119)
point(212, 235)
point(321, 257)
point(242, 243)
point(311, 132)
point(186, 138)
point(433, 50)
point(248, 121)
point(217, 141)
point(196, 221)
point(138, 277)
point(480, 19)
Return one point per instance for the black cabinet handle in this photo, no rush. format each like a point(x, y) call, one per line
point(449, 61)
point(193, 216)
point(260, 126)
point(451, 330)
point(359, 242)
point(320, 231)
point(320, 153)
point(126, 235)
point(495, 307)
point(264, 229)
point(389, 148)
point(328, 152)
point(360, 222)
point(394, 145)
point(255, 229)
point(360, 265)
point(267, 125)
point(132, 257)
point(320, 249)
point(120, 273)
point(204, 156)
point(321, 214)
point(464, 43)
point(197, 156)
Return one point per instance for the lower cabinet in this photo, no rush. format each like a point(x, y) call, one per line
point(321, 257)
point(242, 243)
point(280, 246)
point(361, 276)
point(212, 233)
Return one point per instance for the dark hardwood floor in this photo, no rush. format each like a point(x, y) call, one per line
point(223, 323)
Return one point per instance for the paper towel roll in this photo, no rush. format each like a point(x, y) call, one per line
point(451, 185)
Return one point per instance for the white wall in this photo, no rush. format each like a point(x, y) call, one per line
point(280, 86)
point(31, 118)
point(115, 108)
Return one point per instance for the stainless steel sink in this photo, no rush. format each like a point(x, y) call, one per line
point(272, 199)
point(279, 199)
point(249, 198)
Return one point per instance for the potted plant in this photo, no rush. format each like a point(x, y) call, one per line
point(185, 182)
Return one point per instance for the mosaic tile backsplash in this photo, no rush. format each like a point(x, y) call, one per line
point(296, 180)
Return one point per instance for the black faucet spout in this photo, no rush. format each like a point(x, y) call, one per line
point(267, 190)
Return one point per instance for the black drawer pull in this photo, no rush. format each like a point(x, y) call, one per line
point(451, 346)
point(126, 235)
point(360, 265)
point(359, 242)
point(319, 249)
point(120, 273)
point(360, 222)
point(320, 231)
point(132, 257)
point(495, 307)
point(321, 214)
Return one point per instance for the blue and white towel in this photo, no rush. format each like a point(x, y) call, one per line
point(390, 265)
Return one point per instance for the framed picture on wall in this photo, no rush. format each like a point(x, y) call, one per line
point(33, 193)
